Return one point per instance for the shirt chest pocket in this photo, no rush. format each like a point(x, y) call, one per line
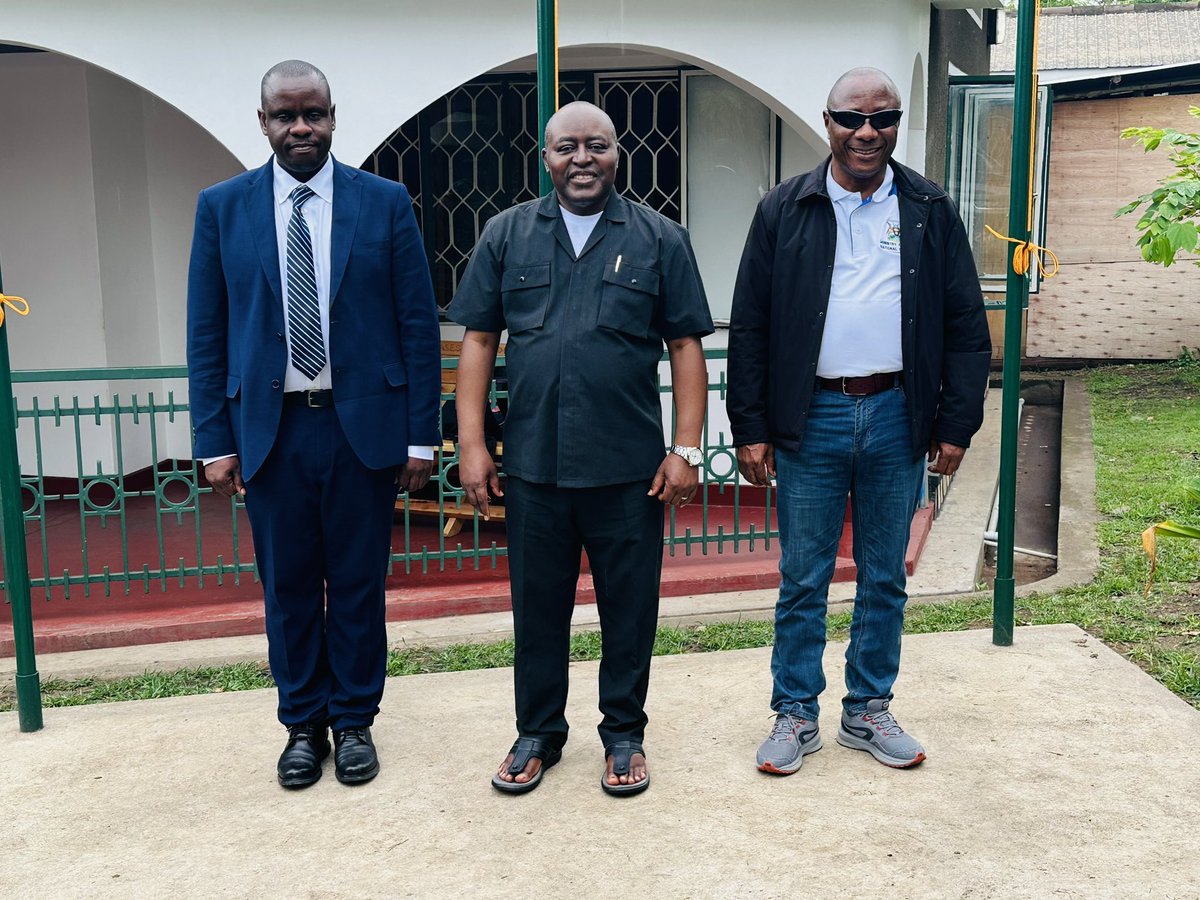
point(525, 292)
point(629, 300)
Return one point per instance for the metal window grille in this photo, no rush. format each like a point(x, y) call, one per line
point(476, 151)
point(645, 108)
point(464, 158)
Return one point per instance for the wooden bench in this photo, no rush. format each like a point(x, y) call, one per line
point(459, 513)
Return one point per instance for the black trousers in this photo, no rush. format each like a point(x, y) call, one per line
point(621, 530)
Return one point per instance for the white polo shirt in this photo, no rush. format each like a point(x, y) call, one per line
point(862, 324)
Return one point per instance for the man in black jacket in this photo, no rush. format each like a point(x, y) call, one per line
point(857, 346)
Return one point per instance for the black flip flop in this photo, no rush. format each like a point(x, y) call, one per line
point(523, 750)
point(622, 754)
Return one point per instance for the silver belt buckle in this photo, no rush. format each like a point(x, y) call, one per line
point(308, 399)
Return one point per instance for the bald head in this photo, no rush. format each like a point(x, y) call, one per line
point(291, 69)
point(859, 81)
point(862, 118)
point(573, 112)
point(581, 156)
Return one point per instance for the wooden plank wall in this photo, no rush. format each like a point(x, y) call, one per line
point(995, 319)
point(1107, 302)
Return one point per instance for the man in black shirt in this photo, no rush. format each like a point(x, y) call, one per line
point(589, 286)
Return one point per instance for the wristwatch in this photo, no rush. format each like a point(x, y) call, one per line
point(693, 456)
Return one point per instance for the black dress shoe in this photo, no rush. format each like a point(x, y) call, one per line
point(300, 763)
point(354, 755)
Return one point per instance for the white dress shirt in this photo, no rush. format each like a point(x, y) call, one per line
point(318, 213)
point(862, 324)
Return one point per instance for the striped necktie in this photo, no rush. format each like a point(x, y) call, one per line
point(307, 346)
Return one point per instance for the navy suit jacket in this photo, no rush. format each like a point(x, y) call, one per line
point(384, 340)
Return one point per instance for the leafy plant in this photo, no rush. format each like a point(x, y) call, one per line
point(1168, 222)
point(1013, 4)
point(1169, 529)
point(1188, 358)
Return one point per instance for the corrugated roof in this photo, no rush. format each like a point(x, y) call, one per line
point(1107, 37)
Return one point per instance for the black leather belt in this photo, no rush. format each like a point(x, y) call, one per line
point(862, 385)
point(311, 399)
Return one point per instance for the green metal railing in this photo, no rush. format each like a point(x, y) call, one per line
point(199, 538)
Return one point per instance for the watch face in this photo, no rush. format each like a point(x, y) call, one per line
point(695, 456)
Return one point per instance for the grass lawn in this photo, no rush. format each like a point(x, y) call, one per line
point(1146, 422)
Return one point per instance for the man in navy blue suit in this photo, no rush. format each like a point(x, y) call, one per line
point(314, 377)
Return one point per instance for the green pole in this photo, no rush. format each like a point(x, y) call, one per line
point(1016, 297)
point(547, 73)
point(16, 562)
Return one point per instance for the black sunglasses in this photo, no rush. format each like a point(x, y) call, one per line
point(854, 120)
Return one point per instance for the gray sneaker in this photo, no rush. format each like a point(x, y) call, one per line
point(877, 731)
point(790, 740)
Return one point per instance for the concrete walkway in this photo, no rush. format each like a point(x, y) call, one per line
point(1056, 769)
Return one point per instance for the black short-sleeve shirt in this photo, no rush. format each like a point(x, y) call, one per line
point(585, 335)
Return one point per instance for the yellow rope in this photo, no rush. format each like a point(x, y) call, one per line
point(19, 305)
point(1027, 250)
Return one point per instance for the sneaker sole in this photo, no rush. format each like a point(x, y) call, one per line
point(795, 767)
point(895, 762)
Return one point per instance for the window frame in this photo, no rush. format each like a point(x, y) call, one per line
point(961, 169)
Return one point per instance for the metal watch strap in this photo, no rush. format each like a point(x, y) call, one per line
point(687, 452)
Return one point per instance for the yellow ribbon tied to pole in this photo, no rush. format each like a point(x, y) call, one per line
point(19, 305)
point(1026, 251)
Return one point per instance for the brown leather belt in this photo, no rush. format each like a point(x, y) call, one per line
point(862, 385)
point(311, 399)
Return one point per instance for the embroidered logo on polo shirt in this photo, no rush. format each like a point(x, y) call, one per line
point(891, 236)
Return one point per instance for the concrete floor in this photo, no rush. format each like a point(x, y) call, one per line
point(1056, 769)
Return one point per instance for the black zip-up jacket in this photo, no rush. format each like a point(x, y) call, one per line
point(782, 293)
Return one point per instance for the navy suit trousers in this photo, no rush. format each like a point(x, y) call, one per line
point(322, 524)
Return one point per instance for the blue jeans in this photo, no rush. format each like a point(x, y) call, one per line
point(859, 446)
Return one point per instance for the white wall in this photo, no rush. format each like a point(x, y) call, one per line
point(48, 244)
point(49, 250)
point(181, 159)
point(99, 184)
point(914, 117)
point(127, 286)
point(387, 59)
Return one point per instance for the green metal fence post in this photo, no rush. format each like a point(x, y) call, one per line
point(547, 73)
point(16, 560)
point(1016, 294)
